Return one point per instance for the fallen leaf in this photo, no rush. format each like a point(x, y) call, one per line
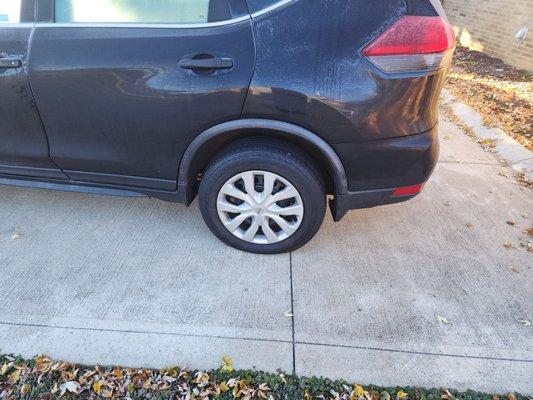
point(515, 270)
point(401, 395)
point(288, 314)
point(117, 373)
point(70, 386)
point(469, 225)
point(446, 395)
point(43, 364)
point(511, 223)
point(15, 236)
point(447, 204)
point(97, 386)
point(15, 376)
point(358, 391)
point(25, 389)
point(169, 379)
point(508, 245)
point(227, 364)
point(443, 320)
point(524, 322)
point(384, 396)
point(4, 369)
point(224, 387)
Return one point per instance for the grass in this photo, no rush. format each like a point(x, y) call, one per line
point(44, 379)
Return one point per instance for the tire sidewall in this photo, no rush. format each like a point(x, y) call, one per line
point(311, 192)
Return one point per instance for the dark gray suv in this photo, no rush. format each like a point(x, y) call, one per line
point(261, 108)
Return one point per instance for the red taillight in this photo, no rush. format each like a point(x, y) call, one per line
point(413, 44)
point(408, 190)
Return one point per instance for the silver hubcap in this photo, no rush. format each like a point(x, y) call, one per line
point(260, 207)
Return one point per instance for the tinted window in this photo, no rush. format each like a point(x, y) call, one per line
point(140, 11)
point(258, 5)
point(10, 11)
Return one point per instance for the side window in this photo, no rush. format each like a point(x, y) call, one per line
point(141, 11)
point(10, 11)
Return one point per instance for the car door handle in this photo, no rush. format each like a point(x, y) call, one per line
point(206, 63)
point(10, 63)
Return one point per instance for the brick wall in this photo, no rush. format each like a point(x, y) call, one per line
point(491, 26)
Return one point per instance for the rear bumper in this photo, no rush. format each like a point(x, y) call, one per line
point(375, 169)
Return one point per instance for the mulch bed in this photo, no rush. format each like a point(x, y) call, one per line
point(501, 93)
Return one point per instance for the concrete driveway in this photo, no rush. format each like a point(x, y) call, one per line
point(139, 282)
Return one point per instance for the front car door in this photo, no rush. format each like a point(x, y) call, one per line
point(124, 86)
point(23, 143)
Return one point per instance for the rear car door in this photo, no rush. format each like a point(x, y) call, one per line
point(23, 144)
point(124, 86)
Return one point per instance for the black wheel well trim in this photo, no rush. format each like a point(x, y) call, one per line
point(238, 128)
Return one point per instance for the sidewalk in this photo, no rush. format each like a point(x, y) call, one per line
point(139, 282)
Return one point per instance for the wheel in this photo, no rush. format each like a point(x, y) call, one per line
point(263, 197)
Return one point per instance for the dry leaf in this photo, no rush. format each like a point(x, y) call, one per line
point(70, 386)
point(224, 387)
point(524, 322)
point(511, 223)
point(97, 386)
point(288, 314)
point(508, 245)
point(515, 270)
point(443, 320)
point(401, 395)
point(384, 396)
point(359, 391)
point(469, 225)
point(117, 373)
point(227, 364)
point(147, 384)
point(15, 376)
point(15, 236)
point(4, 369)
point(25, 389)
point(446, 395)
